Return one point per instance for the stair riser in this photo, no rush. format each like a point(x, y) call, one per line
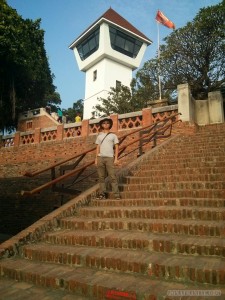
point(179, 163)
point(170, 214)
point(174, 186)
point(161, 202)
point(162, 246)
point(187, 274)
point(156, 227)
point(196, 155)
point(176, 167)
point(161, 171)
point(218, 194)
point(173, 178)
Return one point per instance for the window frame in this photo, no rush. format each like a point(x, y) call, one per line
point(124, 43)
point(89, 44)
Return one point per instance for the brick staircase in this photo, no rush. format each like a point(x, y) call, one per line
point(165, 234)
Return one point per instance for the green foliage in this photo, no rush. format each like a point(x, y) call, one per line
point(78, 108)
point(147, 84)
point(53, 100)
point(26, 79)
point(146, 81)
point(119, 101)
point(144, 89)
point(195, 54)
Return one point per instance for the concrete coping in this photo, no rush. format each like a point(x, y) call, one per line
point(52, 128)
point(74, 124)
point(164, 108)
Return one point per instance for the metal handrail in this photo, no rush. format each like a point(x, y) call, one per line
point(151, 134)
point(28, 174)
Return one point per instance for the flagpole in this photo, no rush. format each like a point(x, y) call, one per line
point(160, 94)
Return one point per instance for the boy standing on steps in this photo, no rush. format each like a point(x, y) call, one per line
point(106, 158)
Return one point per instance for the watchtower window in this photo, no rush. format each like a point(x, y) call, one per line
point(124, 43)
point(118, 84)
point(89, 45)
point(94, 75)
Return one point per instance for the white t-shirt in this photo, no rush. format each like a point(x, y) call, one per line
point(106, 147)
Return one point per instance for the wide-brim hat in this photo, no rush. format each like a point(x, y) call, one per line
point(108, 120)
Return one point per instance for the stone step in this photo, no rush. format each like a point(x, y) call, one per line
point(159, 212)
point(209, 130)
point(159, 164)
point(197, 143)
point(186, 159)
point(202, 139)
point(163, 194)
point(178, 227)
point(161, 202)
point(194, 146)
point(134, 240)
point(148, 172)
point(154, 265)
point(96, 284)
point(172, 178)
point(212, 140)
point(203, 185)
point(181, 153)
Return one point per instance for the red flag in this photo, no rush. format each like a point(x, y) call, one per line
point(161, 18)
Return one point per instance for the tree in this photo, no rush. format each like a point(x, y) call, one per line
point(53, 100)
point(146, 84)
point(26, 79)
point(119, 101)
point(195, 54)
point(78, 108)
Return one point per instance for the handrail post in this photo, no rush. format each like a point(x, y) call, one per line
point(85, 128)
point(53, 177)
point(147, 117)
point(115, 122)
point(60, 130)
point(147, 120)
point(17, 138)
point(37, 135)
point(140, 150)
point(154, 137)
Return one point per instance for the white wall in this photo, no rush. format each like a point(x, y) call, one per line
point(202, 112)
point(108, 72)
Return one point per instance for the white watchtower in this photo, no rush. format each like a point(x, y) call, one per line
point(108, 51)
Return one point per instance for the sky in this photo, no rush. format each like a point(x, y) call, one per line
point(64, 20)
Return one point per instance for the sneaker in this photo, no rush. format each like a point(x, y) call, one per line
point(101, 196)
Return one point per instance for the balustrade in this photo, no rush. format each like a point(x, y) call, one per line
point(127, 121)
point(48, 135)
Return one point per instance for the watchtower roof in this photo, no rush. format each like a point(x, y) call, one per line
point(111, 16)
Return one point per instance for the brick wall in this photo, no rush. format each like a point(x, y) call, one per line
point(35, 122)
point(37, 118)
